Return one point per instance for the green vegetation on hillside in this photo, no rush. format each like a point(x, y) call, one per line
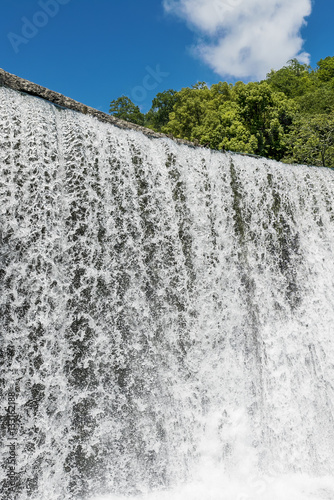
point(289, 116)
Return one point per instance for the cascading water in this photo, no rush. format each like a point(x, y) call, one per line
point(167, 316)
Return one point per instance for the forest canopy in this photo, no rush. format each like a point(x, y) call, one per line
point(289, 116)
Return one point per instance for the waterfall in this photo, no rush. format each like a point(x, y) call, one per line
point(167, 316)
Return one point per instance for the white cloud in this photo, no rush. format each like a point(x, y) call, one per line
point(245, 38)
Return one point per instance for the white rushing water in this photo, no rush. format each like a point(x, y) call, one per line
point(167, 317)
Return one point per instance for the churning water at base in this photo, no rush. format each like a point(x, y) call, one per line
point(167, 316)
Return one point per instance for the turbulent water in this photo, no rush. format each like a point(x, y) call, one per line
point(167, 316)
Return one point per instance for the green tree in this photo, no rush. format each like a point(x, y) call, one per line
point(294, 80)
point(222, 128)
point(198, 114)
point(188, 112)
point(288, 116)
point(162, 105)
point(250, 118)
point(312, 141)
point(320, 98)
point(267, 115)
point(319, 101)
point(125, 109)
point(325, 70)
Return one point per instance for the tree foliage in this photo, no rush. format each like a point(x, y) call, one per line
point(162, 106)
point(325, 71)
point(293, 80)
point(125, 109)
point(289, 116)
point(312, 141)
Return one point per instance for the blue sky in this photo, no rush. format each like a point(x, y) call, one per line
point(96, 51)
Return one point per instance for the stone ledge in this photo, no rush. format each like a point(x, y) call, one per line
point(19, 84)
